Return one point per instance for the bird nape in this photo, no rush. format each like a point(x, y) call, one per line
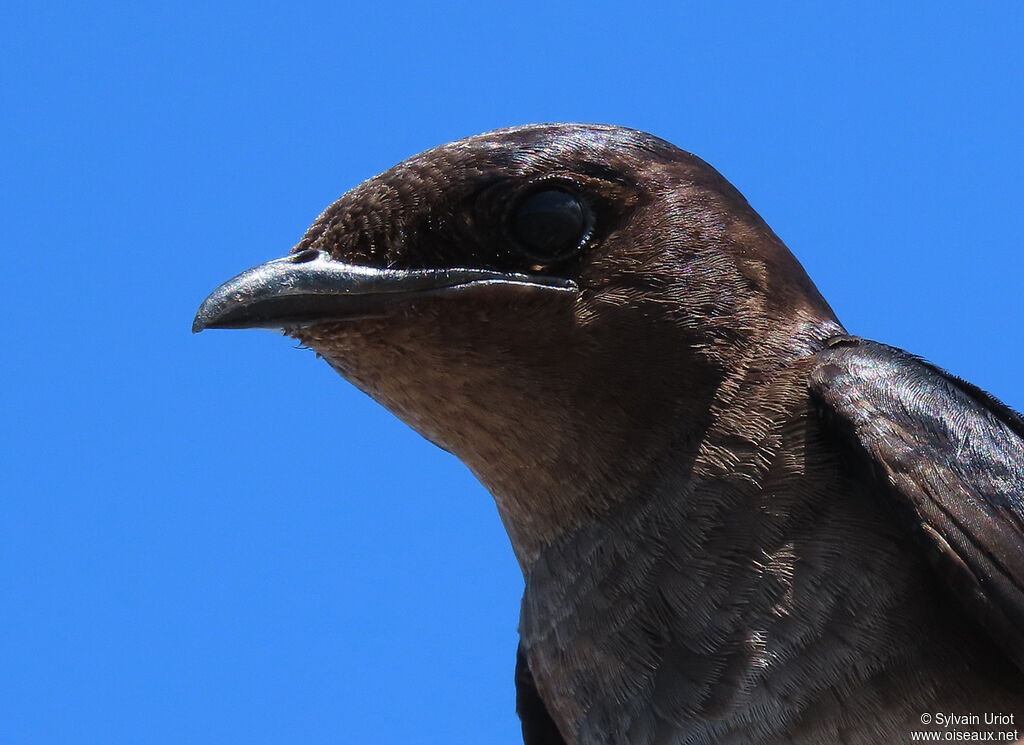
point(736, 522)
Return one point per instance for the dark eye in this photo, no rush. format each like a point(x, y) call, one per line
point(549, 223)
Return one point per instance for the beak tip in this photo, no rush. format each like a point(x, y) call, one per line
point(207, 315)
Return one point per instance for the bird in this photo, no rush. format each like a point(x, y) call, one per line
point(736, 521)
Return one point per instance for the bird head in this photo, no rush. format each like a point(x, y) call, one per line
point(554, 304)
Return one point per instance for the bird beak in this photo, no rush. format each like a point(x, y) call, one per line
point(311, 287)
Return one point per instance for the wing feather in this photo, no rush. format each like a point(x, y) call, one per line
point(538, 726)
point(950, 457)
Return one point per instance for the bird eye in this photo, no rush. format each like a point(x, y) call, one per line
point(549, 224)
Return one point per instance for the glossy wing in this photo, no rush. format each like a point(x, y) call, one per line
point(951, 459)
point(538, 727)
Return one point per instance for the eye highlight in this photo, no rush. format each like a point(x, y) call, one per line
point(549, 223)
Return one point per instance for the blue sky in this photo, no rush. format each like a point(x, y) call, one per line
point(215, 538)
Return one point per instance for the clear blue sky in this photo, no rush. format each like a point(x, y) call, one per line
point(215, 539)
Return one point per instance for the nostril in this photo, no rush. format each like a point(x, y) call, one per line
point(304, 257)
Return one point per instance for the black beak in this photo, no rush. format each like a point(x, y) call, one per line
point(310, 287)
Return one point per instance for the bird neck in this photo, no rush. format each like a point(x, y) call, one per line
point(632, 425)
